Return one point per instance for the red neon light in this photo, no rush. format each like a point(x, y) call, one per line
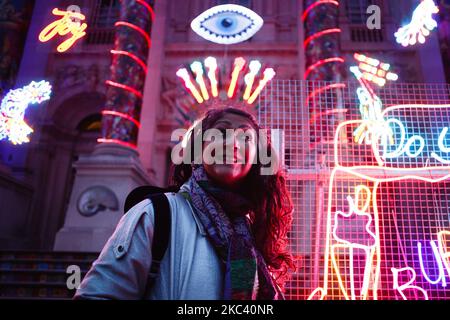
point(321, 62)
point(315, 4)
point(124, 87)
point(320, 90)
point(319, 34)
point(132, 56)
point(149, 8)
point(122, 115)
point(123, 143)
point(134, 27)
point(332, 111)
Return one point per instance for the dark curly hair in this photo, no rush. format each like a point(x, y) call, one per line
point(272, 216)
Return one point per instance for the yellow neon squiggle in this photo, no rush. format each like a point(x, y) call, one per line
point(64, 26)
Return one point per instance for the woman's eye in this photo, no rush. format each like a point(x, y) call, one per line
point(227, 24)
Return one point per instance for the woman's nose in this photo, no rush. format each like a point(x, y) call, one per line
point(232, 140)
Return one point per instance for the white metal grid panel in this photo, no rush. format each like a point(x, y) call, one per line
point(407, 210)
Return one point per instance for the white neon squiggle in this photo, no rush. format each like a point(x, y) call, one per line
point(197, 69)
point(12, 110)
point(352, 210)
point(249, 78)
point(369, 251)
point(183, 74)
point(400, 289)
point(269, 73)
point(442, 147)
point(402, 146)
point(420, 26)
point(211, 64)
point(438, 260)
point(351, 246)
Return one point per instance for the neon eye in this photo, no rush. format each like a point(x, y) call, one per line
point(227, 24)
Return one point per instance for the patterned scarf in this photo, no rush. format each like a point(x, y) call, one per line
point(223, 215)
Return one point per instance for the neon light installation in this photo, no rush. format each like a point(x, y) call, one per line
point(197, 69)
point(444, 248)
point(239, 66)
point(405, 143)
point(132, 56)
point(122, 115)
point(184, 74)
point(336, 244)
point(407, 285)
point(350, 247)
point(13, 107)
point(63, 26)
point(375, 71)
point(320, 34)
point(320, 63)
point(129, 86)
point(249, 78)
point(370, 107)
point(211, 64)
point(117, 141)
point(420, 26)
point(269, 73)
point(315, 4)
point(437, 257)
point(227, 24)
point(136, 28)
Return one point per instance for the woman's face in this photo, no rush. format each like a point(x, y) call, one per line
point(239, 150)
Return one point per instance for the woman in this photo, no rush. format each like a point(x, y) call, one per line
point(229, 225)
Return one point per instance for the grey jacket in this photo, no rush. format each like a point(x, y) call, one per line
point(190, 268)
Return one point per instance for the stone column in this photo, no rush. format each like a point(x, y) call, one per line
point(124, 96)
point(105, 177)
point(323, 61)
point(152, 90)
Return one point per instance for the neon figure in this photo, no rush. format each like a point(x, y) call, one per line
point(227, 24)
point(420, 26)
point(336, 246)
point(64, 26)
point(374, 70)
point(349, 248)
point(437, 257)
point(12, 110)
point(370, 107)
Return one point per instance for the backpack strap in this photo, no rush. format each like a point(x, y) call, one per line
point(161, 235)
